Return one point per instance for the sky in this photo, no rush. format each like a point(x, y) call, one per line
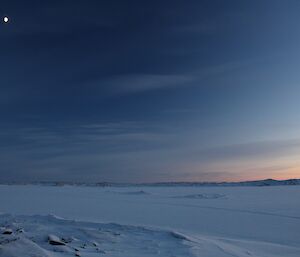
point(149, 91)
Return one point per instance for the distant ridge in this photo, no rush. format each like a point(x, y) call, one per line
point(265, 182)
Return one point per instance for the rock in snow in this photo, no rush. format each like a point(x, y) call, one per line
point(7, 231)
point(54, 240)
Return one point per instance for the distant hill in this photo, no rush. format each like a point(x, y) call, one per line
point(265, 182)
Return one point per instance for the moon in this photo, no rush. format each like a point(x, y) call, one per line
point(6, 19)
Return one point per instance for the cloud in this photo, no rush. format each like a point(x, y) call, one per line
point(107, 134)
point(255, 150)
point(132, 152)
point(143, 82)
point(136, 83)
point(104, 151)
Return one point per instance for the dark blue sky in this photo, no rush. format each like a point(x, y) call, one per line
point(135, 91)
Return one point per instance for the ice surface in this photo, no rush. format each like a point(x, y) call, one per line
point(163, 221)
point(202, 196)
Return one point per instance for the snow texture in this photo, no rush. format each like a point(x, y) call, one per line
point(149, 221)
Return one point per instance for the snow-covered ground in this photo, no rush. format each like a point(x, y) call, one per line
point(150, 221)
